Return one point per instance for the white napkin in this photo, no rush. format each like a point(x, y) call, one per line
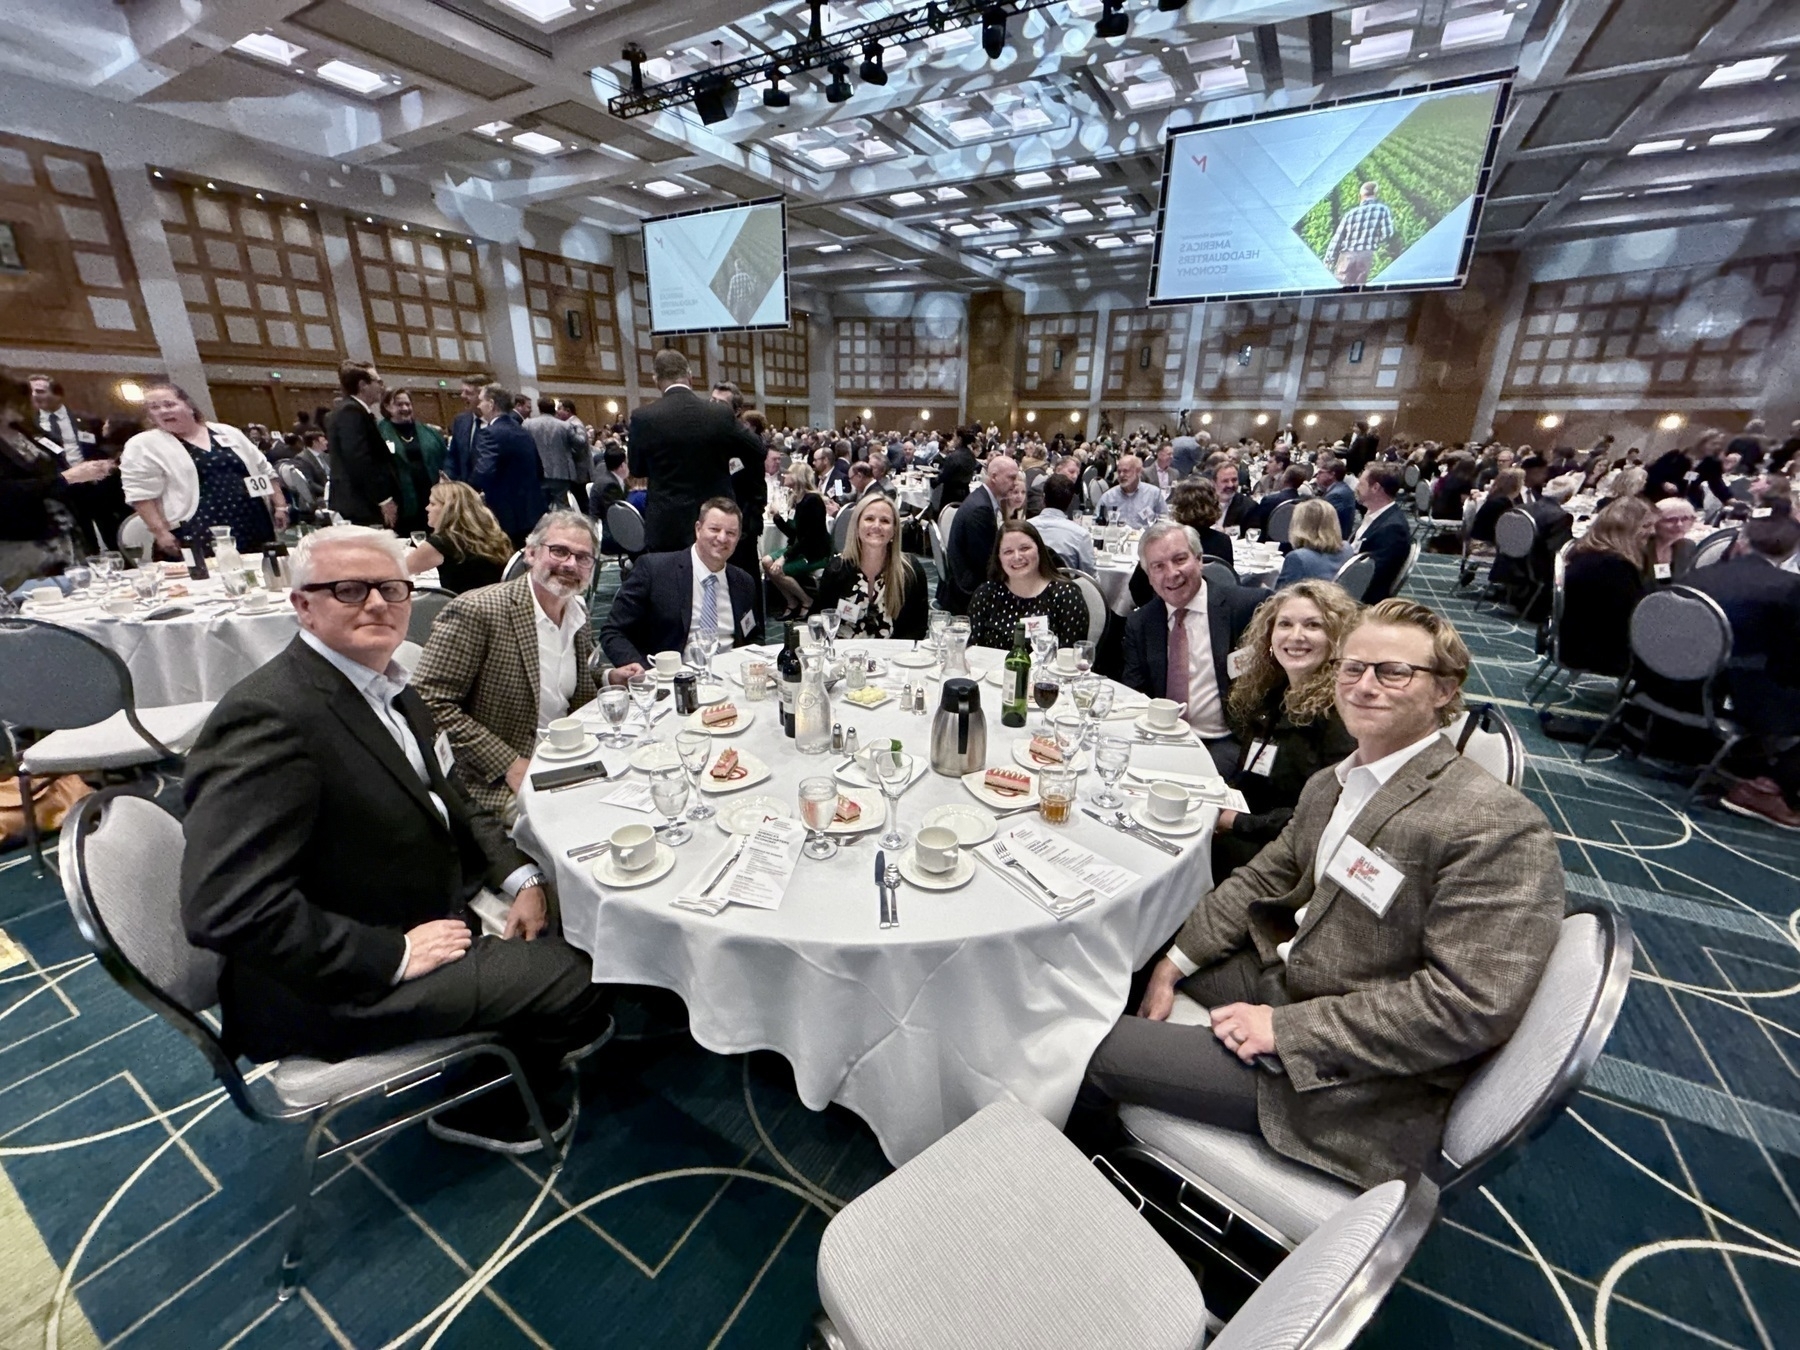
point(1068, 888)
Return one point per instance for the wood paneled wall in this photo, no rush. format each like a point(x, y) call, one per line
point(574, 328)
point(897, 356)
point(787, 361)
point(422, 297)
point(1145, 349)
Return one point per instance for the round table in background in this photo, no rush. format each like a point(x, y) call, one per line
point(979, 995)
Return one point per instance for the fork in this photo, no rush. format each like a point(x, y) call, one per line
point(1150, 837)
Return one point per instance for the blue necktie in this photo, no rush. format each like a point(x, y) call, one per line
point(709, 604)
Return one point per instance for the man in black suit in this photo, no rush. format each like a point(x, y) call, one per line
point(668, 595)
point(460, 457)
point(1187, 661)
point(956, 472)
point(970, 548)
point(1362, 448)
point(1762, 601)
point(332, 860)
point(608, 491)
point(1383, 534)
point(98, 503)
point(365, 482)
point(683, 444)
point(1685, 472)
point(1235, 505)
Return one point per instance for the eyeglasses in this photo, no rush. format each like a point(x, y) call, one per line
point(562, 553)
point(394, 592)
point(1389, 674)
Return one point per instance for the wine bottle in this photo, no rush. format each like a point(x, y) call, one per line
point(788, 671)
point(1016, 680)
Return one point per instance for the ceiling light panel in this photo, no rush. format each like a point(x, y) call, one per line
point(1365, 17)
point(1380, 49)
point(907, 199)
point(356, 79)
point(269, 48)
point(1080, 173)
point(1476, 30)
point(662, 187)
point(1221, 80)
point(538, 143)
point(1741, 72)
point(1746, 137)
point(541, 11)
point(1037, 178)
point(1656, 147)
point(948, 194)
point(493, 128)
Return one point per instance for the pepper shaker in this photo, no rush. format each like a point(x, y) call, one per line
point(837, 737)
point(850, 746)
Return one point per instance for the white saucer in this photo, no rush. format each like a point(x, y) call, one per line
point(1179, 731)
point(607, 872)
point(914, 660)
point(1021, 754)
point(654, 757)
point(869, 702)
point(757, 772)
point(589, 744)
point(874, 812)
point(743, 817)
point(973, 824)
point(996, 800)
point(744, 718)
point(1188, 824)
point(936, 881)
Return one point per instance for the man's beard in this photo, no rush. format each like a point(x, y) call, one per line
point(561, 587)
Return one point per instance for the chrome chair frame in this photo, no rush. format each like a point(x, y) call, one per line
point(1486, 717)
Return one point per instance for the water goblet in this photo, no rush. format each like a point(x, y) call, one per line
point(712, 642)
point(830, 619)
point(695, 749)
point(642, 688)
point(818, 804)
point(669, 793)
point(1084, 657)
point(815, 629)
point(694, 654)
point(1068, 726)
point(145, 582)
point(1112, 755)
point(234, 582)
point(615, 705)
point(935, 624)
point(891, 768)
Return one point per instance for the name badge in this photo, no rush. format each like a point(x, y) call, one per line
point(1761, 512)
point(1260, 758)
point(1036, 625)
point(445, 758)
point(1689, 476)
point(1367, 875)
point(1663, 571)
point(746, 623)
point(84, 438)
point(1236, 663)
point(848, 611)
point(258, 485)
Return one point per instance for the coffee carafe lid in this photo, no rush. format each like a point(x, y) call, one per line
point(960, 696)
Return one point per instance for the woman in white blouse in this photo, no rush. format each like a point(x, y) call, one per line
point(185, 475)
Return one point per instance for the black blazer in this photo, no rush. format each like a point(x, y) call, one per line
point(460, 457)
point(684, 444)
point(1238, 511)
point(956, 471)
point(968, 550)
point(312, 847)
point(1600, 590)
point(838, 581)
point(809, 537)
point(651, 611)
point(508, 474)
point(1388, 541)
point(1763, 604)
point(1228, 612)
point(363, 474)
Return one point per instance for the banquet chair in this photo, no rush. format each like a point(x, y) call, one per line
point(840, 527)
point(1410, 476)
point(1714, 547)
point(1356, 574)
point(936, 539)
point(1096, 604)
point(1515, 539)
point(61, 682)
point(1681, 635)
point(1406, 568)
point(121, 875)
point(625, 528)
point(1280, 520)
point(1484, 736)
point(427, 603)
point(516, 566)
point(1240, 1206)
point(1553, 667)
point(1218, 572)
point(999, 1236)
point(944, 520)
point(135, 541)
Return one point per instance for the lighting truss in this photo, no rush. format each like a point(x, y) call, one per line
point(812, 52)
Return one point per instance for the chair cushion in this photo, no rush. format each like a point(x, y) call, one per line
point(113, 744)
point(1278, 1195)
point(999, 1236)
point(305, 1084)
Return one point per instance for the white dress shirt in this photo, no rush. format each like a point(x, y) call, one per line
point(1369, 520)
point(557, 671)
point(1205, 710)
point(724, 596)
point(61, 426)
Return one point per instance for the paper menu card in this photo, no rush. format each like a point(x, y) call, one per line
point(759, 875)
point(1066, 870)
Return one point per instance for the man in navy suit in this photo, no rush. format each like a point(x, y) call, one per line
point(461, 455)
point(1187, 660)
point(505, 469)
point(1328, 482)
point(973, 529)
point(669, 595)
point(1384, 534)
point(683, 444)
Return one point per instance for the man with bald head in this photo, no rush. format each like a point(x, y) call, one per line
point(332, 860)
point(970, 547)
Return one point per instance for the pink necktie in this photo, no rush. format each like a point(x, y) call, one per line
point(1177, 682)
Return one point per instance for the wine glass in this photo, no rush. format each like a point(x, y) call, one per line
point(80, 578)
point(642, 688)
point(1044, 690)
point(615, 705)
point(695, 749)
point(1084, 657)
point(145, 582)
point(418, 538)
point(712, 642)
point(1112, 755)
point(669, 791)
point(891, 768)
point(1068, 727)
point(1083, 690)
point(818, 804)
point(106, 567)
point(935, 624)
point(815, 629)
point(694, 653)
point(830, 620)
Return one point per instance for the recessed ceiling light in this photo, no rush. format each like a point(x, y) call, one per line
point(831, 248)
point(1120, 210)
point(907, 199)
point(662, 187)
point(270, 48)
point(1040, 250)
point(1108, 241)
point(1080, 173)
point(1672, 187)
point(948, 194)
point(492, 128)
point(538, 143)
point(1075, 215)
point(1009, 251)
point(1037, 178)
point(351, 77)
point(1600, 196)
point(1745, 137)
point(1476, 30)
point(963, 228)
point(1657, 147)
point(1372, 51)
point(1741, 72)
point(541, 10)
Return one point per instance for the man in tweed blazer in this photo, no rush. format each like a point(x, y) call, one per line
point(502, 661)
point(1386, 941)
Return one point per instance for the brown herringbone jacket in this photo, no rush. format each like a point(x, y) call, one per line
point(1378, 1021)
point(479, 677)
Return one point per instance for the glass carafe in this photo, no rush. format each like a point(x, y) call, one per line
point(956, 648)
point(812, 707)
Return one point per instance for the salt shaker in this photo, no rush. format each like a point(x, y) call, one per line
point(850, 746)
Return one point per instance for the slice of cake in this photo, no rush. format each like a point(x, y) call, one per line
point(727, 769)
point(719, 715)
point(1045, 751)
point(1007, 782)
point(848, 812)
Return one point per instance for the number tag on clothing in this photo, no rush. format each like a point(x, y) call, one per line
point(1366, 874)
point(1036, 625)
point(1259, 758)
point(445, 758)
point(746, 623)
point(258, 485)
point(84, 438)
point(848, 611)
point(1236, 663)
point(1761, 512)
point(1662, 571)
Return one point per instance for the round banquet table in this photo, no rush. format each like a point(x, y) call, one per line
point(978, 996)
point(913, 491)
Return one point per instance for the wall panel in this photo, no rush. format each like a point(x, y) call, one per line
point(574, 328)
point(422, 297)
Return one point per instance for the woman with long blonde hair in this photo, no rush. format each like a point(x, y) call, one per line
point(876, 588)
point(1283, 707)
point(465, 542)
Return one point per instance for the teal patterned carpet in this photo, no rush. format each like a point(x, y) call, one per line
point(139, 1208)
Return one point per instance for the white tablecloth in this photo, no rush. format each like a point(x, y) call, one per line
point(979, 995)
point(913, 492)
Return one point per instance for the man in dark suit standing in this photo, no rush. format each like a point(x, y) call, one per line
point(1188, 660)
point(970, 548)
point(670, 595)
point(506, 469)
point(683, 444)
point(98, 504)
point(461, 454)
point(1383, 534)
point(956, 472)
point(365, 482)
point(1363, 446)
point(332, 860)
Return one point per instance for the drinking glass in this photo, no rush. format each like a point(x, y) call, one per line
point(891, 768)
point(713, 641)
point(146, 581)
point(80, 578)
point(1068, 726)
point(106, 567)
point(1083, 691)
point(1112, 756)
point(234, 583)
point(615, 705)
point(1044, 691)
point(1056, 793)
point(935, 624)
point(1084, 657)
point(669, 792)
point(856, 669)
point(818, 804)
point(815, 629)
point(695, 749)
point(829, 620)
point(694, 654)
point(642, 688)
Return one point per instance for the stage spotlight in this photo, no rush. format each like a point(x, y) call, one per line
point(871, 71)
point(1112, 22)
point(715, 99)
point(838, 91)
point(775, 96)
point(993, 31)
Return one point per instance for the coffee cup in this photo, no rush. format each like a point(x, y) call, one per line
point(566, 733)
point(1067, 660)
point(255, 602)
point(633, 847)
point(1167, 802)
point(1164, 713)
point(118, 604)
point(667, 663)
point(936, 849)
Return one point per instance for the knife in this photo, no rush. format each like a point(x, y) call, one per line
point(881, 886)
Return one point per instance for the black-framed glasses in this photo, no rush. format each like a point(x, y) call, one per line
point(1391, 674)
point(395, 591)
point(563, 553)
